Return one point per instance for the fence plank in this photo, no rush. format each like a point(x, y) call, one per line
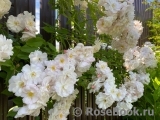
point(89, 24)
point(83, 102)
point(89, 104)
point(142, 15)
point(65, 24)
point(78, 103)
point(18, 6)
point(3, 102)
point(46, 16)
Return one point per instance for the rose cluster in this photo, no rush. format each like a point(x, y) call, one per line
point(118, 22)
point(22, 23)
point(44, 79)
point(107, 91)
point(139, 58)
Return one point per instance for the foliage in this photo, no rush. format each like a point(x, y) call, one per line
point(154, 24)
point(75, 29)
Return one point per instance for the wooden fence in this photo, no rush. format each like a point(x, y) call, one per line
point(48, 16)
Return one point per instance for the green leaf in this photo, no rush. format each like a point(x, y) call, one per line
point(3, 75)
point(16, 50)
point(49, 29)
point(6, 92)
point(51, 46)
point(23, 55)
point(28, 49)
point(156, 83)
point(83, 82)
point(11, 113)
point(37, 118)
point(156, 94)
point(149, 99)
point(157, 108)
point(50, 104)
point(10, 73)
point(35, 42)
point(7, 63)
point(18, 101)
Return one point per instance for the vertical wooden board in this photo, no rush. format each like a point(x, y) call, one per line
point(46, 16)
point(1, 99)
point(89, 25)
point(31, 6)
point(12, 9)
point(83, 102)
point(24, 5)
point(46, 13)
point(19, 6)
point(115, 117)
point(3, 102)
point(41, 115)
point(108, 117)
point(89, 103)
point(78, 104)
point(64, 24)
point(94, 107)
point(142, 15)
point(5, 106)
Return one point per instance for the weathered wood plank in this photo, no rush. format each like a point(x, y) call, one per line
point(46, 16)
point(143, 15)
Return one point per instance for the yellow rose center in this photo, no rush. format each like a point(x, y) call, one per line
point(30, 23)
point(62, 60)
point(118, 94)
point(30, 94)
point(21, 84)
point(33, 74)
point(61, 115)
point(16, 23)
point(71, 56)
point(53, 68)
